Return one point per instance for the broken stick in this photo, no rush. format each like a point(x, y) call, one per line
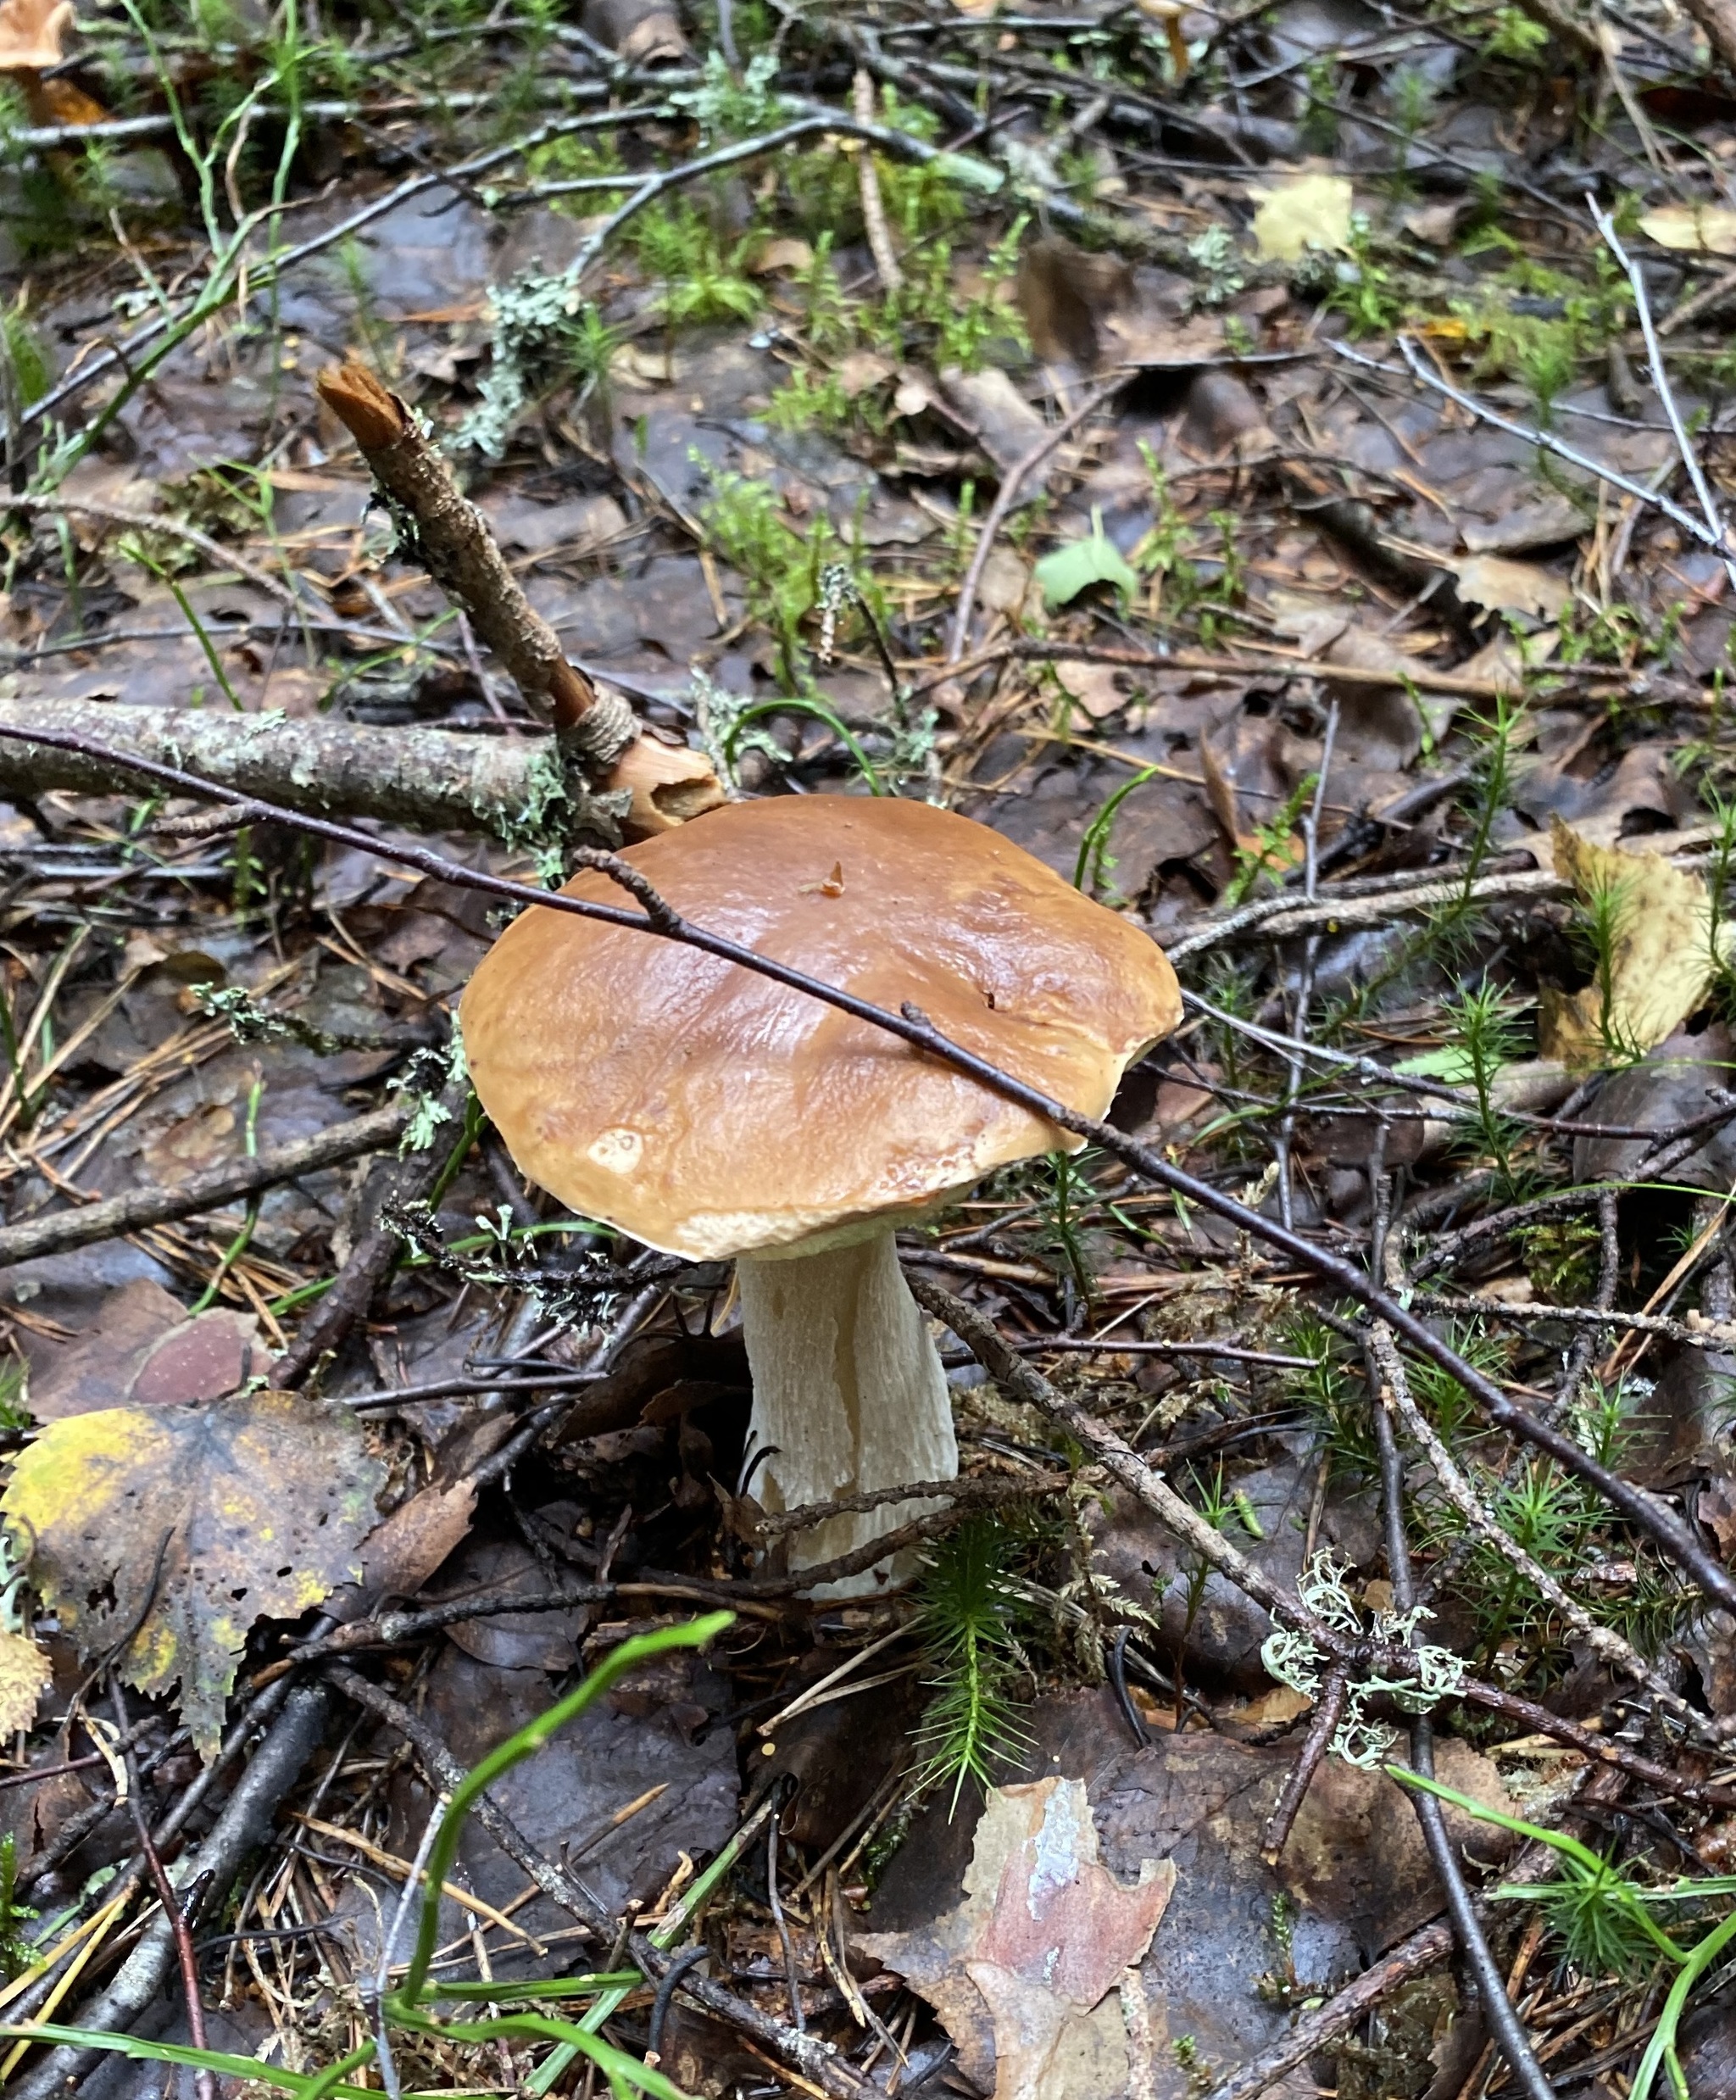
point(596, 726)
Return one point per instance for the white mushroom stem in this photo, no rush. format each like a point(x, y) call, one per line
point(846, 1389)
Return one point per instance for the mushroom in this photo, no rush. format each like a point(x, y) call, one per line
point(708, 1111)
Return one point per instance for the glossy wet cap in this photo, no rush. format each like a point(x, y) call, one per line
point(705, 1110)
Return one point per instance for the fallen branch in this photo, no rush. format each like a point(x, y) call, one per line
point(209, 1189)
point(595, 725)
point(429, 779)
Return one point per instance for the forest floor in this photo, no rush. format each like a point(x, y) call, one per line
point(1269, 464)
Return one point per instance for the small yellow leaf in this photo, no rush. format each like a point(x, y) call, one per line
point(24, 1676)
point(1704, 229)
point(1311, 211)
point(1661, 955)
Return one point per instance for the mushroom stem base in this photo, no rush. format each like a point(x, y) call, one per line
point(847, 1388)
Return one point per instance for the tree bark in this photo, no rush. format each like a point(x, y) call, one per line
point(426, 779)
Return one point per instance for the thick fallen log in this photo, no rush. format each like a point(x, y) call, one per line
point(426, 779)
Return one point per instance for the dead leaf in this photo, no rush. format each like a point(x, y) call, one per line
point(1716, 1510)
point(25, 1674)
point(988, 405)
point(30, 34)
point(31, 37)
point(1661, 957)
point(1708, 229)
point(1066, 295)
point(1004, 581)
point(1220, 794)
point(1094, 686)
point(640, 32)
point(398, 1555)
point(1022, 1971)
point(1312, 211)
point(783, 255)
point(1500, 585)
point(861, 370)
point(195, 1140)
point(256, 1504)
point(1156, 343)
point(143, 1350)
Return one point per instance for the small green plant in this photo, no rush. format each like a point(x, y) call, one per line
point(1068, 1195)
point(1601, 921)
point(1272, 847)
point(1095, 864)
point(1364, 291)
point(15, 1381)
point(830, 319)
point(1603, 1917)
point(806, 401)
point(1412, 98)
point(679, 248)
point(1561, 1256)
point(780, 562)
point(1515, 37)
point(16, 1952)
point(1450, 929)
point(1320, 119)
point(967, 1618)
point(1441, 1398)
point(1077, 564)
point(1486, 1032)
point(1330, 1396)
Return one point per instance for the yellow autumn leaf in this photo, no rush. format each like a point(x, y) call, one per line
point(1661, 957)
point(1310, 211)
point(181, 1526)
point(1701, 229)
point(24, 1676)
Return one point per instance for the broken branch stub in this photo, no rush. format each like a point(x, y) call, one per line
point(597, 727)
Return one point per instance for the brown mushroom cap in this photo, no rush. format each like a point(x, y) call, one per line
point(708, 1111)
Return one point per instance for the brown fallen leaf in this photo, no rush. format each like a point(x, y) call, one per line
point(189, 1524)
point(31, 34)
point(1500, 584)
point(1066, 295)
point(1661, 954)
point(784, 255)
point(399, 1555)
point(143, 1350)
point(1021, 1972)
point(640, 32)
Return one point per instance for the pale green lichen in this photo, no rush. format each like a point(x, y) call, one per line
point(1294, 1660)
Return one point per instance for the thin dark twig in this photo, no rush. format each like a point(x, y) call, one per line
point(1503, 2021)
point(913, 1026)
point(204, 2081)
point(1117, 1660)
point(689, 1958)
point(1315, 1744)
